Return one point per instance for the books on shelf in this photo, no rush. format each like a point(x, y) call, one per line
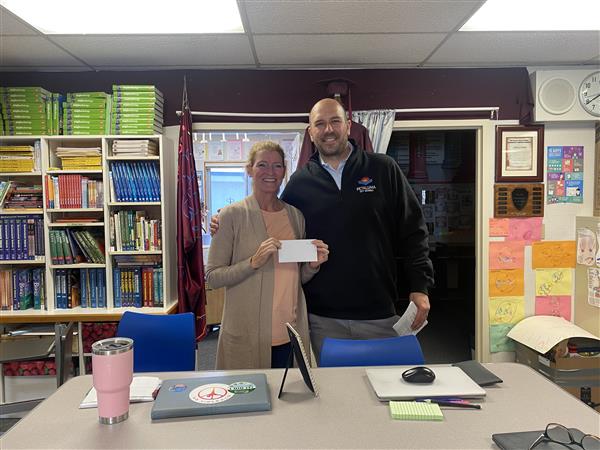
point(133, 231)
point(22, 288)
point(21, 237)
point(134, 181)
point(79, 158)
point(72, 247)
point(17, 158)
point(86, 113)
point(73, 191)
point(21, 196)
point(79, 287)
point(26, 111)
point(136, 109)
point(134, 147)
point(138, 281)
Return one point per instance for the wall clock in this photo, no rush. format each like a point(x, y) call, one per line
point(589, 93)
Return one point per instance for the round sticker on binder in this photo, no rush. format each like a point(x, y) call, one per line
point(209, 394)
point(241, 387)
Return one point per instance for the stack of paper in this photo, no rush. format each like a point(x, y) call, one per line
point(78, 158)
point(136, 109)
point(142, 389)
point(86, 113)
point(25, 110)
point(415, 411)
point(137, 147)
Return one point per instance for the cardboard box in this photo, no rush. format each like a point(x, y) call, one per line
point(580, 376)
point(542, 342)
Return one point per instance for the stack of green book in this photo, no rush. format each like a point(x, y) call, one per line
point(25, 111)
point(86, 113)
point(136, 109)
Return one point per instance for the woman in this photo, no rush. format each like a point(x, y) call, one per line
point(261, 294)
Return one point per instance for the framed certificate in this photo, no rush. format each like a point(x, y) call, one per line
point(519, 153)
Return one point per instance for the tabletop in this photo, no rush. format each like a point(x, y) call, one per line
point(346, 414)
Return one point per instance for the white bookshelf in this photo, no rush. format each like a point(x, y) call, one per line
point(163, 210)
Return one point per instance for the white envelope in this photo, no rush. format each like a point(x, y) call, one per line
point(297, 250)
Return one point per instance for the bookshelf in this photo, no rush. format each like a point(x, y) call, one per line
point(22, 256)
point(83, 215)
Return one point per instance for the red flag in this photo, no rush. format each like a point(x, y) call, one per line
point(190, 265)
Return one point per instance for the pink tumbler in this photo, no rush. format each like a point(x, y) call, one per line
point(112, 367)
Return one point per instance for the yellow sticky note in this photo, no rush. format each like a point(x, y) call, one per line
point(415, 411)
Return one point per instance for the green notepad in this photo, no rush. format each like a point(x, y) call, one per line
point(415, 411)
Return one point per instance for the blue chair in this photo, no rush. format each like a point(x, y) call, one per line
point(394, 351)
point(161, 343)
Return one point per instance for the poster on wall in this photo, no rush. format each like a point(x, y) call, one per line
point(594, 287)
point(564, 174)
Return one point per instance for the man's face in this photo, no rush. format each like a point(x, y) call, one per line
point(329, 129)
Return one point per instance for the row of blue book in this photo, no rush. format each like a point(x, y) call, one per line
point(22, 289)
point(134, 181)
point(79, 287)
point(21, 237)
point(138, 287)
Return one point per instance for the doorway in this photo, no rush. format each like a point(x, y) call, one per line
point(440, 165)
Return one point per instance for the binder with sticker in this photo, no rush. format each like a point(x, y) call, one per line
point(202, 396)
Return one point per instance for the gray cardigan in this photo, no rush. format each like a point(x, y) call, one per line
point(245, 336)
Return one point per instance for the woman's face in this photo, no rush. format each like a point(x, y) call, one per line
point(267, 172)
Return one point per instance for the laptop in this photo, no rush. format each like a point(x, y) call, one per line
point(184, 397)
point(449, 382)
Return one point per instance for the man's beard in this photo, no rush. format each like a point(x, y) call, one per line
point(333, 151)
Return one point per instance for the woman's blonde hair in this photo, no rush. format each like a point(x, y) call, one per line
point(262, 146)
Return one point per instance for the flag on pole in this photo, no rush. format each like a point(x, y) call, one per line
point(190, 274)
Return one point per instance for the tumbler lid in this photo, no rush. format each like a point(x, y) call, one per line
point(112, 346)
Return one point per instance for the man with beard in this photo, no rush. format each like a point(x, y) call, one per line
point(363, 207)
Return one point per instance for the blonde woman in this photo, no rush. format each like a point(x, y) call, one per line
point(261, 294)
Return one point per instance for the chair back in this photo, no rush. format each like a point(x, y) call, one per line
point(161, 343)
point(394, 351)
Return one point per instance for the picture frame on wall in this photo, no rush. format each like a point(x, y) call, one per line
point(519, 153)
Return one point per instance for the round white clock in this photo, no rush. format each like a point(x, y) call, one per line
point(589, 93)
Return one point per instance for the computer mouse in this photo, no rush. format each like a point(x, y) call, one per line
point(420, 374)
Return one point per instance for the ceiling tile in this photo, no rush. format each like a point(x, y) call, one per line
point(339, 50)
point(30, 51)
point(10, 24)
point(471, 48)
point(356, 16)
point(160, 50)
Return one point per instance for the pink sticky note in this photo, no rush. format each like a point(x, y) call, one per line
point(528, 230)
point(554, 305)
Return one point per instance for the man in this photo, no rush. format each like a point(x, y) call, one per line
point(362, 206)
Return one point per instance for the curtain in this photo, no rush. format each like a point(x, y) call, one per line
point(380, 123)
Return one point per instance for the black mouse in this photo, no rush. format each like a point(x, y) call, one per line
point(420, 374)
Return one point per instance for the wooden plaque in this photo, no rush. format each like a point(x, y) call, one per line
point(519, 200)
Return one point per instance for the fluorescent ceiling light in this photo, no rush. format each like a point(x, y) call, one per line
point(128, 16)
point(535, 15)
